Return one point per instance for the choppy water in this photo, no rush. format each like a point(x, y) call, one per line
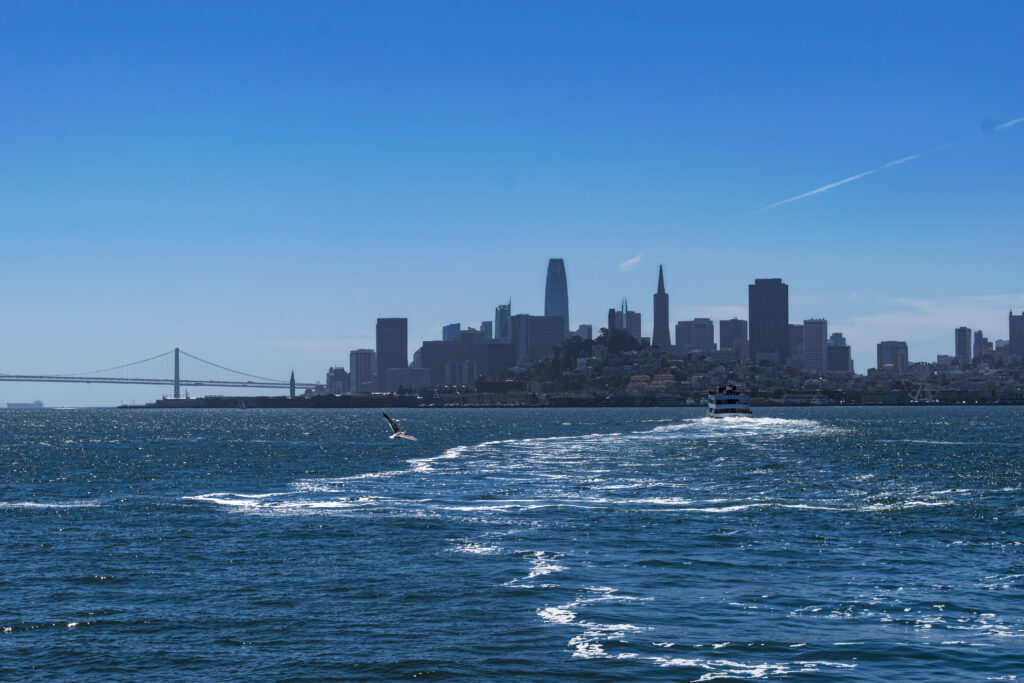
point(846, 544)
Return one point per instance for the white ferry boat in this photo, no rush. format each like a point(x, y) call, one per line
point(727, 401)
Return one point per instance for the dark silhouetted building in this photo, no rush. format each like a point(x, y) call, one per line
point(556, 293)
point(503, 321)
point(768, 311)
point(362, 367)
point(730, 332)
point(1017, 334)
point(696, 334)
point(982, 345)
point(796, 345)
point(963, 346)
point(888, 351)
point(338, 381)
point(451, 332)
point(392, 346)
point(535, 336)
point(661, 338)
point(839, 358)
point(584, 332)
point(628, 320)
point(487, 327)
point(815, 345)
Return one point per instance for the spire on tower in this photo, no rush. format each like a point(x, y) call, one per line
point(661, 281)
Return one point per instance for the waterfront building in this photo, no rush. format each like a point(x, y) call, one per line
point(963, 346)
point(406, 378)
point(503, 321)
point(1017, 333)
point(451, 332)
point(661, 338)
point(730, 332)
point(815, 343)
point(362, 367)
point(535, 336)
point(887, 350)
point(768, 312)
point(487, 327)
point(556, 293)
point(338, 381)
point(392, 346)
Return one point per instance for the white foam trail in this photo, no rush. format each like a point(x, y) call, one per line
point(31, 504)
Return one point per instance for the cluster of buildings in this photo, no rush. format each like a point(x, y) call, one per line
point(510, 345)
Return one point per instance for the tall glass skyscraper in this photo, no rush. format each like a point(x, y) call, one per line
point(503, 321)
point(556, 292)
point(661, 338)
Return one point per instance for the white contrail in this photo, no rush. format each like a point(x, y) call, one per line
point(629, 263)
point(897, 162)
point(1009, 123)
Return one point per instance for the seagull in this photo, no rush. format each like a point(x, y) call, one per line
point(399, 434)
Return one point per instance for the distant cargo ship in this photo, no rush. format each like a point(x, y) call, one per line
point(23, 406)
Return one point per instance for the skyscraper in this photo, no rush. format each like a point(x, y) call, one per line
point(535, 336)
point(815, 345)
point(1017, 334)
point(628, 320)
point(768, 308)
point(487, 327)
point(503, 321)
point(887, 352)
point(981, 344)
point(451, 332)
point(362, 368)
point(963, 346)
point(704, 334)
point(556, 292)
point(730, 332)
point(392, 346)
point(661, 337)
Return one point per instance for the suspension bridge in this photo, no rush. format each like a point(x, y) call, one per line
point(175, 368)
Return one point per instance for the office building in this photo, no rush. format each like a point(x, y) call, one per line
point(451, 332)
point(839, 358)
point(535, 336)
point(1017, 334)
point(661, 338)
point(963, 346)
point(338, 381)
point(815, 344)
point(409, 379)
point(887, 350)
point(556, 293)
point(730, 332)
point(487, 327)
point(696, 334)
point(362, 367)
point(503, 321)
point(836, 339)
point(796, 346)
point(392, 346)
point(768, 312)
point(982, 345)
point(585, 332)
point(612, 319)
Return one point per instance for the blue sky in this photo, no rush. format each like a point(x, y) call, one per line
point(257, 182)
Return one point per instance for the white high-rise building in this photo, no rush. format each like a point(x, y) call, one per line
point(816, 345)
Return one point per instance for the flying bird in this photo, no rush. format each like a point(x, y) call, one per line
point(399, 434)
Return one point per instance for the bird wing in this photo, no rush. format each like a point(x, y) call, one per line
point(394, 425)
point(403, 435)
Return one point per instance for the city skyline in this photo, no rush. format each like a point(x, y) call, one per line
point(224, 178)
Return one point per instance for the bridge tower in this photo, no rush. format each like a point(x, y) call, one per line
point(177, 374)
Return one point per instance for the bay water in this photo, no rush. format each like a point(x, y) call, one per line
point(523, 544)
